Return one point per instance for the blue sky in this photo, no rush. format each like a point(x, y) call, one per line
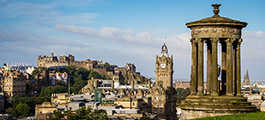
point(122, 31)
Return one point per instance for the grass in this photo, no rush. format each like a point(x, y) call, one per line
point(246, 116)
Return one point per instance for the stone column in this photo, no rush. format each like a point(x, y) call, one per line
point(229, 66)
point(209, 67)
point(234, 68)
point(238, 69)
point(214, 84)
point(194, 67)
point(200, 67)
point(223, 75)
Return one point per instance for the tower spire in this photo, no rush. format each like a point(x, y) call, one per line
point(52, 54)
point(165, 40)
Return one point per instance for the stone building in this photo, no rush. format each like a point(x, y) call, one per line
point(246, 80)
point(121, 74)
point(41, 79)
point(255, 99)
point(159, 100)
point(2, 102)
point(46, 61)
point(13, 82)
point(45, 108)
point(182, 84)
point(60, 98)
point(57, 77)
point(227, 99)
point(163, 94)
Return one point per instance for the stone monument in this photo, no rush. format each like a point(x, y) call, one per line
point(222, 97)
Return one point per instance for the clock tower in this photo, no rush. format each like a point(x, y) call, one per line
point(164, 68)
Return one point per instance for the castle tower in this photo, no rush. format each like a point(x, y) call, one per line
point(164, 68)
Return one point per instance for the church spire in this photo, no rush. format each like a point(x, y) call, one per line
point(246, 80)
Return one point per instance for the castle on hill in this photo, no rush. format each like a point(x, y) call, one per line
point(122, 74)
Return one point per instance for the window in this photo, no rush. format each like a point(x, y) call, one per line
point(155, 111)
point(133, 104)
point(155, 105)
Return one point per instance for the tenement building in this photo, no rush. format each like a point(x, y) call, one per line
point(13, 82)
point(182, 84)
point(213, 32)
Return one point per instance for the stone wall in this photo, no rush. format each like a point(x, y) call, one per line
point(191, 114)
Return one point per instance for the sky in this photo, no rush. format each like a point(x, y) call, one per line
point(123, 31)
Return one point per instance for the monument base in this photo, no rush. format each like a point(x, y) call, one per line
point(208, 106)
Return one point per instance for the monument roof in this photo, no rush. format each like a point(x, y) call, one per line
point(216, 20)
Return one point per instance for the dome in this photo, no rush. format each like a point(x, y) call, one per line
point(216, 20)
point(8, 67)
point(164, 50)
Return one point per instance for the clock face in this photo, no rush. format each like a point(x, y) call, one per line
point(163, 65)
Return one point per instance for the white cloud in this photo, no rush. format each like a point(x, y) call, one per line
point(126, 36)
point(141, 48)
point(46, 14)
point(253, 53)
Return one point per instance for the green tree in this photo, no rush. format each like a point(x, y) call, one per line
point(57, 115)
point(99, 115)
point(82, 71)
point(46, 92)
point(93, 74)
point(81, 114)
point(22, 109)
point(107, 65)
point(182, 94)
point(144, 118)
point(36, 71)
point(10, 110)
point(29, 87)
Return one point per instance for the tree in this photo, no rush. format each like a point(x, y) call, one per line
point(93, 74)
point(81, 114)
point(22, 109)
point(46, 92)
point(10, 110)
point(99, 115)
point(182, 94)
point(29, 87)
point(144, 118)
point(36, 71)
point(107, 65)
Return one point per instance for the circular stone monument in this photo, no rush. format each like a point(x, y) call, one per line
point(223, 96)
